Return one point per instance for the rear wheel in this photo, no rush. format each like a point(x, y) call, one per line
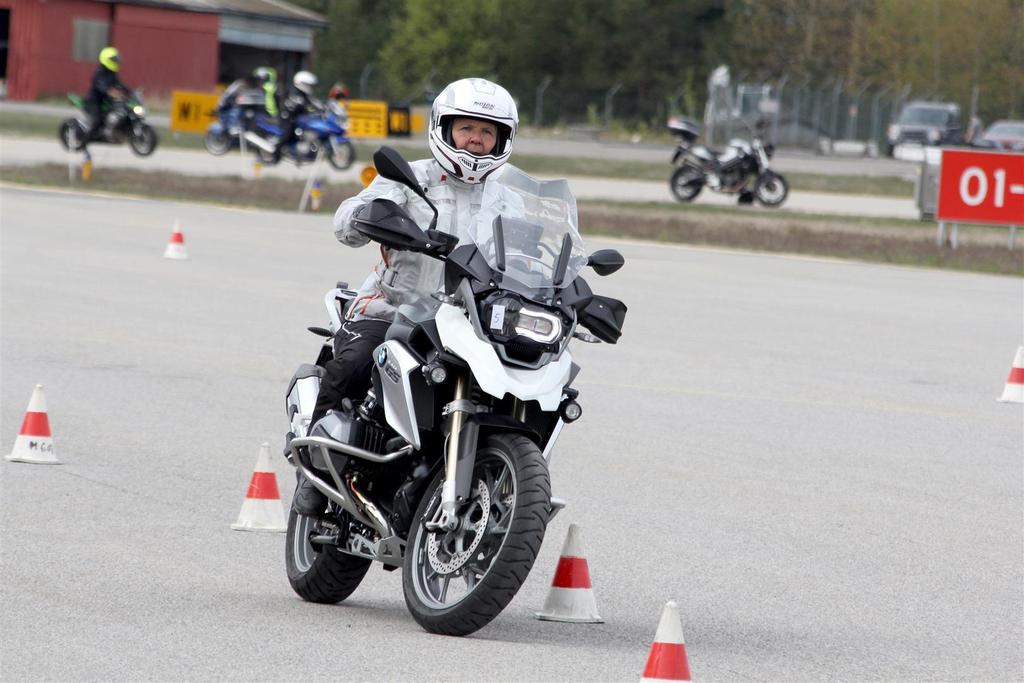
point(319, 573)
point(686, 183)
point(456, 582)
point(143, 141)
point(771, 189)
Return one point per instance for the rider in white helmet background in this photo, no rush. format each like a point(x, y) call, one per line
point(472, 128)
point(299, 100)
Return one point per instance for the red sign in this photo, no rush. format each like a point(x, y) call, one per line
point(981, 187)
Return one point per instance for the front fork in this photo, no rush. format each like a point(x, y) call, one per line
point(460, 456)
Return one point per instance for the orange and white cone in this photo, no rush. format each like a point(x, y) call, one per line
point(1014, 391)
point(176, 246)
point(35, 443)
point(571, 597)
point(667, 661)
point(262, 509)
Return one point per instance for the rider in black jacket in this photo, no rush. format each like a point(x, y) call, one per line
point(104, 84)
point(300, 100)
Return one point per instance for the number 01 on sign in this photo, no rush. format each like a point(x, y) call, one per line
point(981, 187)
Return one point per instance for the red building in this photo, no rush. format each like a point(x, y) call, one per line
point(50, 47)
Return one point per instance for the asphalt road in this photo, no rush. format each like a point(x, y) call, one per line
point(32, 151)
point(807, 455)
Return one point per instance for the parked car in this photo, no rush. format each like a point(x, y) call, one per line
point(1005, 135)
point(926, 123)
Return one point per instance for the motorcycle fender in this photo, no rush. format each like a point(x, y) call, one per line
point(543, 385)
point(395, 365)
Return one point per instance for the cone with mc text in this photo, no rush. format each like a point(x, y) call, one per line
point(571, 597)
point(667, 660)
point(262, 509)
point(176, 246)
point(35, 443)
point(1014, 391)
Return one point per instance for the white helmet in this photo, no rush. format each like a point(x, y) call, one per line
point(479, 99)
point(305, 81)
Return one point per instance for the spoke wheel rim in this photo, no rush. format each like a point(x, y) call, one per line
point(494, 474)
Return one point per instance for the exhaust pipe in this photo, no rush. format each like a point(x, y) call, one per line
point(259, 142)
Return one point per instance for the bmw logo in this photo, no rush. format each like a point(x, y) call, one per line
point(382, 356)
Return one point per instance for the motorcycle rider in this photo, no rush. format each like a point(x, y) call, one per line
point(105, 85)
point(267, 78)
point(244, 94)
point(299, 101)
point(472, 127)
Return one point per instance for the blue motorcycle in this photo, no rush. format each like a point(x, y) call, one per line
point(314, 132)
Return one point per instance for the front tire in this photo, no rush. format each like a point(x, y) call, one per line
point(143, 143)
point(71, 135)
point(321, 574)
point(217, 144)
point(686, 183)
point(771, 189)
point(490, 554)
point(342, 155)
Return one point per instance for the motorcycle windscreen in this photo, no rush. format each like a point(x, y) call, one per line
point(527, 230)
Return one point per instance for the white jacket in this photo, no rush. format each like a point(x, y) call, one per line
point(404, 277)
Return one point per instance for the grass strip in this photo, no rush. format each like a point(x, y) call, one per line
point(889, 241)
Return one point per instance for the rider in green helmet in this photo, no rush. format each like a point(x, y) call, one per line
point(104, 85)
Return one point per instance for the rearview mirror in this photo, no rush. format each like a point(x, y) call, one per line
point(393, 166)
point(605, 261)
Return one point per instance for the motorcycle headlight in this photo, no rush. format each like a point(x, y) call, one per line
point(139, 110)
point(507, 317)
point(934, 135)
point(538, 325)
point(894, 132)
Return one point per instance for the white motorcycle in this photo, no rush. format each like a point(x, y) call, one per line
point(442, 469)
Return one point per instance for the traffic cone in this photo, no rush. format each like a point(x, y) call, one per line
point(667, 661)
point(571, 597)
point(35, 443)
point(1014, 391)
point(176, 246)
point(262, 509)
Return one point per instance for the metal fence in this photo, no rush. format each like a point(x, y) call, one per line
point(808, 114)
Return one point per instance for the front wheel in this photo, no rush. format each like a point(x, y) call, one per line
point(456, 582)
point(771, 189)
point(319, 573)
point(71, 135)
point(686, 183)
point(143, 140)
point(217, 143)
point(342, 154)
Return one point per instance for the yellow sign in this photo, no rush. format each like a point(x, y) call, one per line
point(367, 175)
point(419, 123)
point(367, 119)
point(192, 112)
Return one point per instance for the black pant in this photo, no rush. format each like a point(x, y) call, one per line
point(348, 373)
point(94, 110)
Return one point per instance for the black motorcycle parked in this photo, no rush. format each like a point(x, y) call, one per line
point(123, 120)
point(742, 169)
